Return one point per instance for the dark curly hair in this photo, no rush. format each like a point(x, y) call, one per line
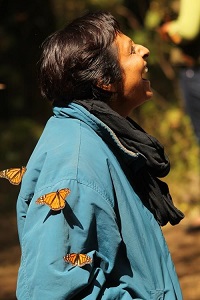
point(79, 56)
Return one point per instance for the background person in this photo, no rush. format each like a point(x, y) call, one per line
point(185, 33)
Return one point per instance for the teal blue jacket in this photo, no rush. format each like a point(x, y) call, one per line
point(103, 218)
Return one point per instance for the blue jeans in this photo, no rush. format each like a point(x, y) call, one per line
point(190, 86)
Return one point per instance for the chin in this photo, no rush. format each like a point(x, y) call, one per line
point(144, 99)
point(149, 95)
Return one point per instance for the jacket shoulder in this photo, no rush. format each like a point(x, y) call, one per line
point(69, 149)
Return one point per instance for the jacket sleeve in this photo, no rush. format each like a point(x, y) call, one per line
point(88, 225)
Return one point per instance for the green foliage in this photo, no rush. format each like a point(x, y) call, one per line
point(105, 4)
point(18, 138)
point(65, 11)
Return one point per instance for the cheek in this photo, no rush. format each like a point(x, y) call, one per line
point(134, 84)
point(133, 74)
point(132, 78)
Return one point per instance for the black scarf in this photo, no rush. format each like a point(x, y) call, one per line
point(153, 192)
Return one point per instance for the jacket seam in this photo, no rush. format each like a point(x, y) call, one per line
point(78, 152)
point(91, 185)
point(99, 191)
point(24, 271)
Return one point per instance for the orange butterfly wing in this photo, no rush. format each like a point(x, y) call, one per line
point(55, 200)
point(78, 259)
point(14, 175)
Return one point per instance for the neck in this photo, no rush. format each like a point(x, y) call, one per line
point(120, 107)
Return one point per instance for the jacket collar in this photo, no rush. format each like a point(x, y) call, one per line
point(106, 133)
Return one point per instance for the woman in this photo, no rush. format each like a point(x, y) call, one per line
point(96, 233)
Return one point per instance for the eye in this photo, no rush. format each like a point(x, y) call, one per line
point(133, 49)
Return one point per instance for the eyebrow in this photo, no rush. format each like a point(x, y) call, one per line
point(130, 42)
point(128, 45)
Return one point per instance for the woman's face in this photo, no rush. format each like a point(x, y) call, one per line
point(135, 88)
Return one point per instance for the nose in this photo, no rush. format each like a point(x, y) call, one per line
point(143, 51)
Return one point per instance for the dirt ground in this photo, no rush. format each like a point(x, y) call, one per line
point(184, 247)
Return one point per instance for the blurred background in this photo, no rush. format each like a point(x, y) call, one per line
point(24, 24)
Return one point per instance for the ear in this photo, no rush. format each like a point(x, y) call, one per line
point(107, 87)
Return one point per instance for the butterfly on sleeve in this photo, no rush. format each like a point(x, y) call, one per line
point(77, 259)
point(55, 200)
point(14, 175)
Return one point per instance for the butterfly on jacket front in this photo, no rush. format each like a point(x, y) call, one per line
point(77, 259)
point(14, 175)
point(55, 200)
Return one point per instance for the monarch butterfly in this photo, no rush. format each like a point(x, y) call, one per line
point(14, 175)
point(78, 259)
point(55, 200)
